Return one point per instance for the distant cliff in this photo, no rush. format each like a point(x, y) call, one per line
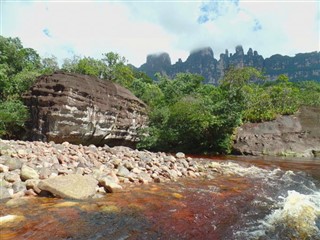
point(303, 66)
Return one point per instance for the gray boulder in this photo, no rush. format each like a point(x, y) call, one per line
point(110, 185)
point(122, 171)
point(28, 173)
point(72, 186)
point(13, 163)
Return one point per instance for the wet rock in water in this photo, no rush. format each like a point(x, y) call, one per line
point(110, 209)
point(72, 186)
point(316, 153)
point(30, 192)
point(144, 178)
point(28, 173)
point(173, 174)
point(11, 218)
point(16, 202)
point(13, 163)
point(33, 184)
point(112, 187)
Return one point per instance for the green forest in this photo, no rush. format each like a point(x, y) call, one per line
point(184, 114)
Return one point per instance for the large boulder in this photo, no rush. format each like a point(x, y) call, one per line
point(72, 186)
point(81, 109)
point(295, 135)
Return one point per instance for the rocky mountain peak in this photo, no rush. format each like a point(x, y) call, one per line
point(156, 63)
point(239, 50)
point(202, 52)
point(162, 59)
point(303, 66)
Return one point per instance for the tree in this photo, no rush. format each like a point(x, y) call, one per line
point(70, 65)
point(234, 85)
point(19, 68)
point(189, 117)
point(49, 65)
point(91, 66)
point(19, 84)
point(112, 59)
point(236, 78)
point(183, 84)
point(285, 97)
point(14, 57)
point(309, 92)
point(13, 115)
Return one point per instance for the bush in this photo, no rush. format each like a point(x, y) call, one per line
point(13, 115)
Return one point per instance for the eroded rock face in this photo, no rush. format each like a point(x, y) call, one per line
point(296, 135)
point(82, 109)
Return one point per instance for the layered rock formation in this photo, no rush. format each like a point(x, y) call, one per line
point(303, 66)
point(83, 109)
point(295, 135)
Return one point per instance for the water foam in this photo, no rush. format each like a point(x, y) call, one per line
point(298, 213)
point(292, 199)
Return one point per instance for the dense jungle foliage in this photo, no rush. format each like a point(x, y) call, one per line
point(184, 114)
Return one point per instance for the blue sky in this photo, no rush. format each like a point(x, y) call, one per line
point(137, 28)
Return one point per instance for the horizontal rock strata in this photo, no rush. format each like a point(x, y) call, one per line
point(82, 109)
point(297, 135)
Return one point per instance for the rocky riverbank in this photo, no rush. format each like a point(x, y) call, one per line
point(78, 172)
point(295, 135)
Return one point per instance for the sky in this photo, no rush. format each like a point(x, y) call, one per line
point(135, 29)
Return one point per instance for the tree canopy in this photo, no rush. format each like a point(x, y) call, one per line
point(184, 114)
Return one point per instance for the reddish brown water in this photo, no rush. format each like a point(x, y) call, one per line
point(242, 203)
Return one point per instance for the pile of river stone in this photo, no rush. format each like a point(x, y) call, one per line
point(78, 172)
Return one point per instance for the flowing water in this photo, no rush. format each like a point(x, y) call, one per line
point(265, 199)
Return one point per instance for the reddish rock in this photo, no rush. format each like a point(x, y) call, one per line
point(295, 135)
point(84, 110)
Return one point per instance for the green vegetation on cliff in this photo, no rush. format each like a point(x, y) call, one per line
point(194, 117)
point(184, 114)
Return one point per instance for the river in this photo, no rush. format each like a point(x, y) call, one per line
point(251, 198)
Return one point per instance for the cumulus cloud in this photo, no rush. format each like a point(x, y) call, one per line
point(135, 29)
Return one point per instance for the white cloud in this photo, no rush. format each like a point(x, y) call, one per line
point(135, 29)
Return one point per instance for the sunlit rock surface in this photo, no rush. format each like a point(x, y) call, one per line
point(297, 135)
point(73, 186)
point(83, 109)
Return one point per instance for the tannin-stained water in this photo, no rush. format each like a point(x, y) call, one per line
point(251, 199)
